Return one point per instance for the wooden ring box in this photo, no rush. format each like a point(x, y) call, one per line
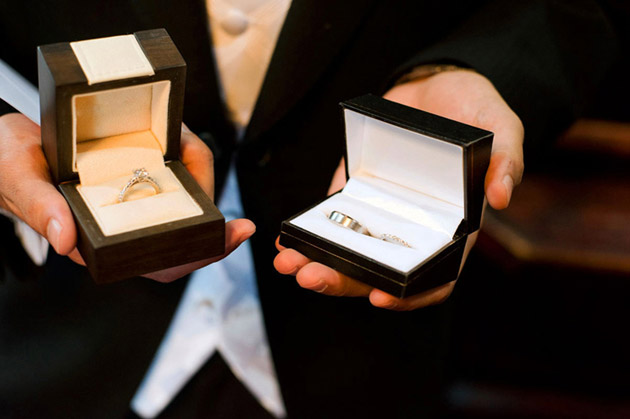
point(110, 106)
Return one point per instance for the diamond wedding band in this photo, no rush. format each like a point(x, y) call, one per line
point(390, 238)
point(139, 176)
point(346, 221)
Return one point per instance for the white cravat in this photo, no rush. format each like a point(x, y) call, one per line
point(220, 309)
point(244, 34)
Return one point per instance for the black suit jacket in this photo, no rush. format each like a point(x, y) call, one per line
point(72, 349)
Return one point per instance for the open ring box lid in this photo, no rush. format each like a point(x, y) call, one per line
point(411, 175)
point(110, 106)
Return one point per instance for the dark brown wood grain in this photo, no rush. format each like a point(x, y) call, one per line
point(168, 63)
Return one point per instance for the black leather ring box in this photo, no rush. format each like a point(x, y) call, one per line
point(415, 184)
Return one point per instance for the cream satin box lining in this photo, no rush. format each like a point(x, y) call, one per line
point(115, 132)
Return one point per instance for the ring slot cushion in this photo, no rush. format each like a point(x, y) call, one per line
point(410, 174)
point(111, 106)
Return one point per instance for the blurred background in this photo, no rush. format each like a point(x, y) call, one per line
point(543, 305)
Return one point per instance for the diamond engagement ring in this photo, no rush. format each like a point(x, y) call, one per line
point(139, 176)
point(346, 221)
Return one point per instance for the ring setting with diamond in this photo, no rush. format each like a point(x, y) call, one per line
point(140, 175)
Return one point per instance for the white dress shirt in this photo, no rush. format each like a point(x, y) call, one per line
point(220, 309)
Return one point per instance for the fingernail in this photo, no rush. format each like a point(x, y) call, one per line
point(509, 186)
point(53, 232)
point(320, 286)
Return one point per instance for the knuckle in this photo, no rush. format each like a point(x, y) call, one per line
point(17, 127)
point(400, 305)
point(338, 289)
point(519, 127)
point(516, 168)
point(201, 150)
point(206, 153)
point(35, 212)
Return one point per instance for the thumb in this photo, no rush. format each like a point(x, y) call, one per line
point(42, 207)
point(236, 232)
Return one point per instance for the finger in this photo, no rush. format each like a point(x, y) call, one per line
point(290, 261)
point(506, 165)
point(320, 278)
point(25, 185)
point(198, 159)
point(434, 296)
point(76, 257)
point(470, 242)
point(278, 245)
point(315, 276)
point(236, 232)
point(43, 208)
point(339, 178)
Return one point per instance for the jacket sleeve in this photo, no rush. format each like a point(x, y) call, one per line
point(546, 58)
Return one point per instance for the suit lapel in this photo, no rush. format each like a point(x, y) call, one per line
point(313, 34)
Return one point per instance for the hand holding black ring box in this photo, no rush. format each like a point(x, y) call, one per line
point(411, 175)
point(110, 107)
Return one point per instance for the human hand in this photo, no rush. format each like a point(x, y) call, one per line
point(461, 95)
point(27, 191)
